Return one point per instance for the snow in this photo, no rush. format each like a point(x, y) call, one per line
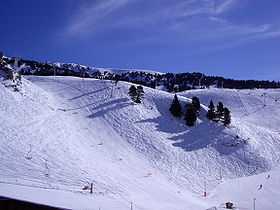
point(58, 198)
point(264, 188)
point(78, 67)
point(255, 115)
point(120, 71)
point(59, 134)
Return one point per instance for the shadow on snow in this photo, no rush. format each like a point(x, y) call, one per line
point(202, 135)
point(102, 109)
point(88, 93)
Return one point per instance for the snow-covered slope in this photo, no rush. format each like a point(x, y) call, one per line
point(261, 190)
point(63, 133)
point(256, 116)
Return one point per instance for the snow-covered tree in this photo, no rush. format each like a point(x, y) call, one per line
point(190, 115)
point(175, 108)
point(211, 111)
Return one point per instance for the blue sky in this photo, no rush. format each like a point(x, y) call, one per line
point(232, 38)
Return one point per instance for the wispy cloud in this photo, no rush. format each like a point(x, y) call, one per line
point(199, 20)
point(89, 16)
point(225, 6)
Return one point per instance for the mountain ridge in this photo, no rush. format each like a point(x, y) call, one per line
point(166, 81)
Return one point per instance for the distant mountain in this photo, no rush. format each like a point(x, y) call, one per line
point(165, 81)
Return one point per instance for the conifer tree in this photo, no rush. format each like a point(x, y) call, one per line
point(196, 103)
point(211, 111)
point(190, 115)
point(227, 116)
point(139, 94)
point(220, 109)
point(175, 108)
point(132, 93)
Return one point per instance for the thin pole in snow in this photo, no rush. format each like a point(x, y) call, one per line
point(204, 193)
point(254, 204)
point(131, 206)
point(91, 188)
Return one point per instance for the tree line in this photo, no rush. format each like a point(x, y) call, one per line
point(192, 111)
point(170, 81)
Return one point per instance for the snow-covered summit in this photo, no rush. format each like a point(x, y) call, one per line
point(79, 67)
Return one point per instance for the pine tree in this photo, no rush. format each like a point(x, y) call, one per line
point(190, 115)
point(227, 116)
point(196, 103)
point(220, 109)
point(175, 108)
point(132, 93)
point(139, 94)
point(211, 111)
